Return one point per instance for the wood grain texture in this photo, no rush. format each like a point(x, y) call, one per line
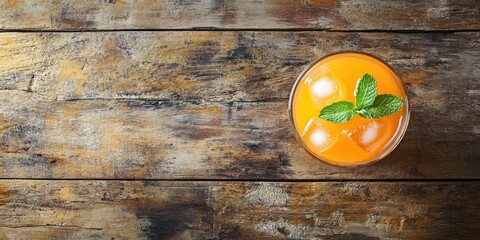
point(251, 14)
point(213, 105)
point(234, 210)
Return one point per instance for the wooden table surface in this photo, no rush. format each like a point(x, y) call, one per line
point(167, 119)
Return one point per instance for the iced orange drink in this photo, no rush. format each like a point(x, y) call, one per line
point(349, 109)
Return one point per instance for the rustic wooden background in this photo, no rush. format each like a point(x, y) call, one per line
point(167, 119)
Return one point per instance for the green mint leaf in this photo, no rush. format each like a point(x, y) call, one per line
point(384, 105)
point(338, 112)
point(362, 112)
point(366, 91)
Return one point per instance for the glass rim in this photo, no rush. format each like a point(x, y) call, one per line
point(393, 142)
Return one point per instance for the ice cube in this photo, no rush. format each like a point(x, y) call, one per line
point(317, 137)
point(369, 136)
point(323, 88)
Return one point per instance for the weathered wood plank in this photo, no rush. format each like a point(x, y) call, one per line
point(258, 14)
point(170, 140)
point(220, 108)
point(233, 210)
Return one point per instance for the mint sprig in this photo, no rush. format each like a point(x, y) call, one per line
point(369, 104)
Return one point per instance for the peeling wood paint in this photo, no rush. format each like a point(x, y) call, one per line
point(267, 194)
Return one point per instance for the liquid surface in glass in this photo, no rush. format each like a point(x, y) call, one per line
point(359, 140)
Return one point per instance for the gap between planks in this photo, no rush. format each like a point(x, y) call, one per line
point(434, 180)
point(213, 29)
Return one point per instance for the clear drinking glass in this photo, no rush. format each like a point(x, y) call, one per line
point(295, 109)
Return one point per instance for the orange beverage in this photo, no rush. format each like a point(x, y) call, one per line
point(359, 140)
